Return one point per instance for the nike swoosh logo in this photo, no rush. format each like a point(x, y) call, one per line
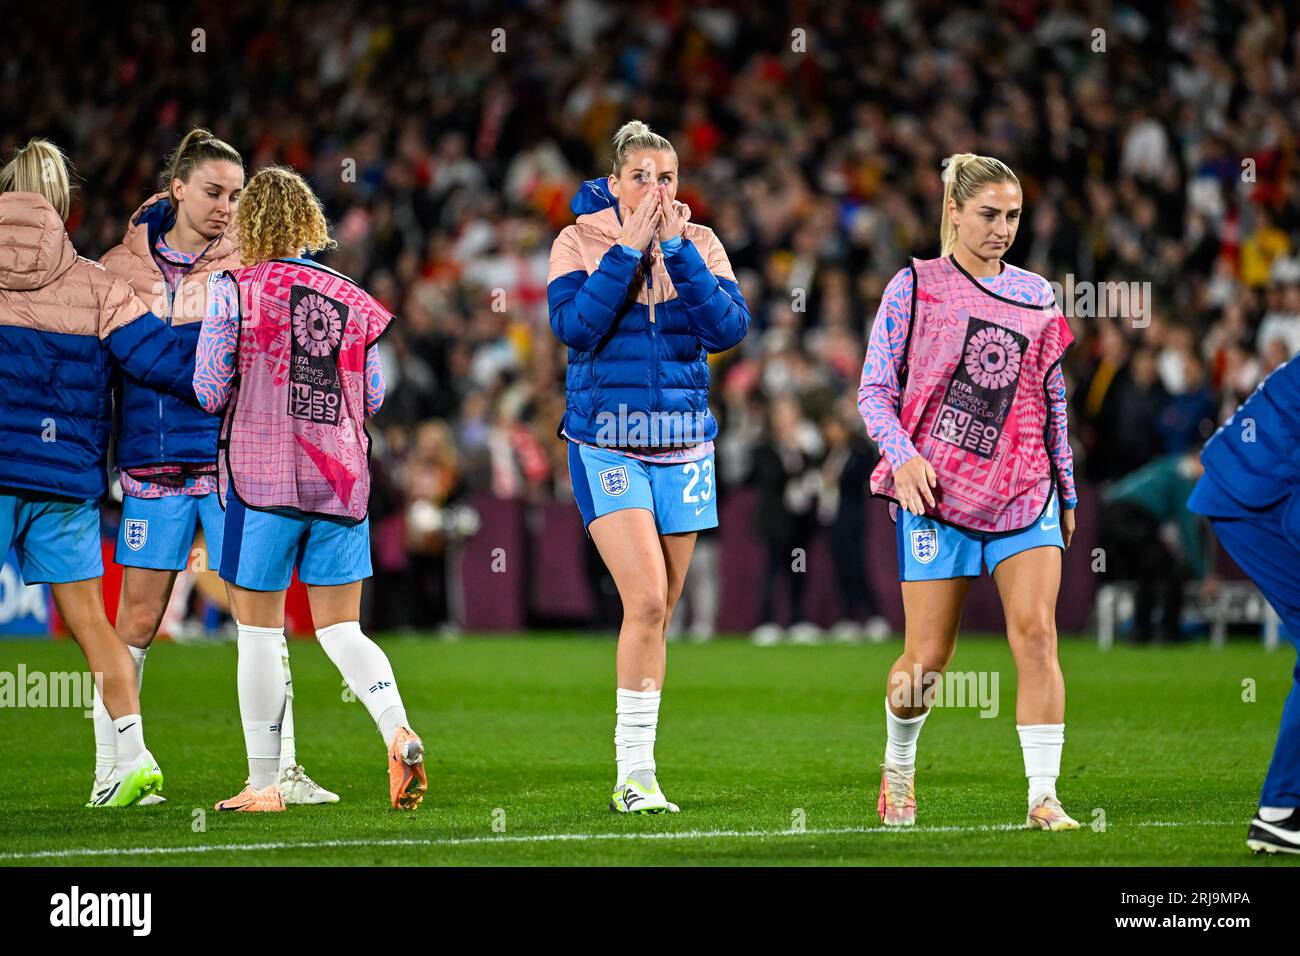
point(1049, 527)
point(122, 730)
point(700, 510)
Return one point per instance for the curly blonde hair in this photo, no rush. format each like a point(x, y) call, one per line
point(279, 217)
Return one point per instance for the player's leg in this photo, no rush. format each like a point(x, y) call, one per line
point(936, 564)
point(296, 787)
point(333, 561)
point(683, 504)
point(1263, 549)
point(58, 543)
point(932, 612)
point(629, 544)
point(1028, 582)
point(153, 542)
point(143, 600)
point(259, 679)
point(616, 499)
point(678, 550)
point(257, 555)
point(134, 774)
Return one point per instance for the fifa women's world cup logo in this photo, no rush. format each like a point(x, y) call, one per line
point(980, 392)
point(992, 358)
point(317, 324)
point(315, 390)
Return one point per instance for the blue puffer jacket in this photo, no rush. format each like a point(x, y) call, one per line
point(66, 327)
point(154, 427)
point(1255, 454)
point(639, 329)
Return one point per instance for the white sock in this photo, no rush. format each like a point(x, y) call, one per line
point(138, 655)
point(1042, 744)
point(390, 720)
point(635, 722)
point(130, 738)
point(368, 673)
point(261, 700)
point(900, 738)
point(288, 752)
point(1274, 814)
point(105, 738)
point(105, 734)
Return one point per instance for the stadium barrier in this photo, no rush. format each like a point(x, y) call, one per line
point(530, 566)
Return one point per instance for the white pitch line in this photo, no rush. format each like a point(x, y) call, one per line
point(555, 838)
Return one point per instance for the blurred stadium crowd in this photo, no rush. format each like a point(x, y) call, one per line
point(1159, 151)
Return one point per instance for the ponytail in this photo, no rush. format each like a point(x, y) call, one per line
point(39, 167)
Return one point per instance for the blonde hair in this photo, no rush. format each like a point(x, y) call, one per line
point(964, 175)
point(632, 136)
point(39, 167)
point(197, 147)
point(279, 216)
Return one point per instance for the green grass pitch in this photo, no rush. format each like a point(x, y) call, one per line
point(773, 755)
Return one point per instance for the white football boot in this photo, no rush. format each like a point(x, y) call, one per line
point(127, 786)
point(640, 793)
point(298, 788)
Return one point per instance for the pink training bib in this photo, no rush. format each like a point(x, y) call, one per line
point(294, 434)
point(974, 399)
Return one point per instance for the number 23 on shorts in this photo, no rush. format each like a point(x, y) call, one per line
point(693, 504)
point(697, 473)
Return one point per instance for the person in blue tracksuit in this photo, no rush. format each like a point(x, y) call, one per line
point(1251, 493)
point(641, 297)
point(67, 328)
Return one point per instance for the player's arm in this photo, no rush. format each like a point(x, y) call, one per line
point(583, 307)
point(142, 345)
point(715, 309)
point(878, 391)
point(1058, 439)
point(214, 358)
point(374, 382)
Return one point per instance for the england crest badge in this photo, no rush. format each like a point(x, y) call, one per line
point(613, 481)
point(925, 545)
point(136, 533)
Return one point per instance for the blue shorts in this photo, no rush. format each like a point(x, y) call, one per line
point(57, 541)
point(680, 496)
point(158, 533)
point(262, 548)
point(929, 550)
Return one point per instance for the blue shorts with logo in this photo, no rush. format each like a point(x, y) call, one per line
point(262, 548)
point(57, 541)
point(158, 533)
point(929, 550)
point(680, 496)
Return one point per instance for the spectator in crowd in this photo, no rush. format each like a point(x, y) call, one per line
point(842, 510)
point(447, 168)
point(1134, 514)
point(788, 474)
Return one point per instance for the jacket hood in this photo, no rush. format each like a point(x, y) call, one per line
point(155, 217)
point(34, 247)
point(593, 196)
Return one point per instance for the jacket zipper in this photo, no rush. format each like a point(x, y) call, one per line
point(654, 337)
point(171, 309)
